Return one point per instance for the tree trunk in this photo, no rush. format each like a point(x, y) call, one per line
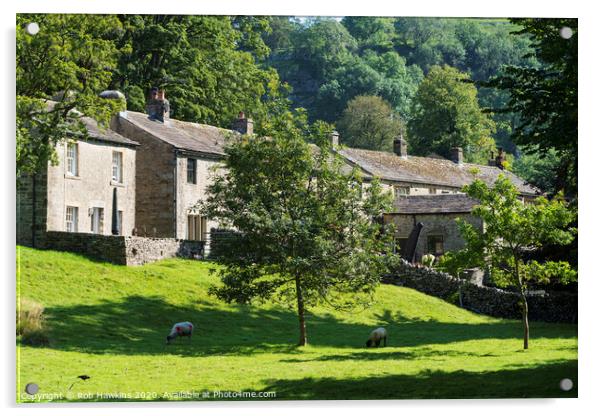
point(301, 313)
point(525, 310)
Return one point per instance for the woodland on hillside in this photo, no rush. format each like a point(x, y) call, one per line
point(443, 82)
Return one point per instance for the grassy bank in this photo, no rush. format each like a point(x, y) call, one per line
point(109, 322)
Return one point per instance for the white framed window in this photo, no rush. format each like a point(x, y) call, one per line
point(191, 171)
point(71, 219)
point(401, 191)
point(72, 159)
point(432, 191)
point(97, 220)
point(117, 172)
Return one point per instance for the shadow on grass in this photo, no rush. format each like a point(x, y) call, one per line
point(542, 381)
point(138, 325)
point(534, 382)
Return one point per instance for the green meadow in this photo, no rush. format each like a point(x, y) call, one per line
point(109, 322)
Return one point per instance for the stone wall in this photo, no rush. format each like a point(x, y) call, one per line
point(155, 185)
point(189, 194)
point(549, 306)
point(92, 187)
point(443, 225)
point(125, 250)
point(32, 209)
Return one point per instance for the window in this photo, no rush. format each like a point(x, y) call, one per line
point(118, 167)
point(197, 228)
point(191, 170)
point(97, 223)
point(432, 191)
point(434, 245)
point(400, 246)
point(120, 222)
point(401, 191)
point(71, 215)
point(72, 167)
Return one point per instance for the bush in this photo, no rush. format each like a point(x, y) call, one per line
point(30, 323)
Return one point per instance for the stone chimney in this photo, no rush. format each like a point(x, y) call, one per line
point(500, 158)
point(157, 107)
point(117, 96)
point(457, 155)
point(242, 124)
point(334, 139)
point(400, 147)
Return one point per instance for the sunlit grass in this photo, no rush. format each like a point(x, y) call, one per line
point(109, 322)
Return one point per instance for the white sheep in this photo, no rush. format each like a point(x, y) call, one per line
point(376, 336)
point(181, 329)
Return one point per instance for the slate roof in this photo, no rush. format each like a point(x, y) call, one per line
point(434, 204)
point(105, 134)
point(183, 135)
point(428, 170)
point(96, 132)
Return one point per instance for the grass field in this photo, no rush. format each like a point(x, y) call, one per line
point(109, 322)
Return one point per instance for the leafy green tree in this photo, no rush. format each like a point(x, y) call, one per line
point(536, 168)
point(209, 65)
point(446, 114)
point(368, 122)
point(70, 59)
point(376, 33)
point(306, 231)
point(546, 97)
point(323, 47)
point(511, 227)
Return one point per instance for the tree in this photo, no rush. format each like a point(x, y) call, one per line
point(368, 122)
point(446, 114)
point(209, 65)
point(374, 33)
point(546, 97)
point(70, 59)
point(305, 232)
point(511, 227)
point(536, 168)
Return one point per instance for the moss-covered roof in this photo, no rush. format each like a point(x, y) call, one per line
point(183, 135)
point(428, 170)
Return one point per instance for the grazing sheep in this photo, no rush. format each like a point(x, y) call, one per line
point(376, 336)
point(181, 329)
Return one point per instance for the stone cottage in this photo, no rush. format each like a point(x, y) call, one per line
point(91, 189)
point(428, 191)
point(175, 163)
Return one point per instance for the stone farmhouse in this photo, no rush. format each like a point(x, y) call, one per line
point(90, 190)
point(428, 191)
point(176, 160)
point(142, 178)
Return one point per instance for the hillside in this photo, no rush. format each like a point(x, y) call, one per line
point(109, 322)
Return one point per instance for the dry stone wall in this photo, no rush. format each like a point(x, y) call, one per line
point(543, 306)
point(125, 250)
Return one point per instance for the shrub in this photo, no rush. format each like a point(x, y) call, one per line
point(30, 323)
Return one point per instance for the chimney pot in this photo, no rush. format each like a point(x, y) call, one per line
point(500, 158)
point(157, 106)
point(334, 139)
point(400, 147)
point(243, 124)
point(457, 155)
